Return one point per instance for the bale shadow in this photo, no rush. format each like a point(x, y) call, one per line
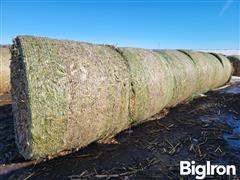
point(8, 149)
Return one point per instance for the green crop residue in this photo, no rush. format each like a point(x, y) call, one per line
point(169, 82)
point(118, 77)
point(197, 67)
point(229, 69)
point(69, 94)
point(46, 83)
point(139, 95)
point(112, 92)
point(170, 61)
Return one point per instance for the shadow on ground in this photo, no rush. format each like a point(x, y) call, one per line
point(207, 128)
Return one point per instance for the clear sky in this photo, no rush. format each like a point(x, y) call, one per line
point(209, 24)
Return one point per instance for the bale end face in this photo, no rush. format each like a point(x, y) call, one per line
point(21, 106)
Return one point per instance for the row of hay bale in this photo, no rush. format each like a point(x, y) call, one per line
point(68, 94)
point(4, 70)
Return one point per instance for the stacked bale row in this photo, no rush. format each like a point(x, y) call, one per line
point(235, 60)
point(5, 56)
point(68, 94)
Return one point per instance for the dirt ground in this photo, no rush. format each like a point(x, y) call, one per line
point(207, 128)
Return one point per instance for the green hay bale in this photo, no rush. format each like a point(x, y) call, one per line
point(67, 94)
point(225, 71)
point(5, 56)
point(235, 60)
point(206, 71)
point(214, 70)
point(217, 69)
point(184, 73)
point(151, 83)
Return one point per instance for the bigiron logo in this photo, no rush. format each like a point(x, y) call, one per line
point(201, 171)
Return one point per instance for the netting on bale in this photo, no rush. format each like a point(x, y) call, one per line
point(235, 60)
point(213, 70)
point(150, 78)
point(5, 56)
point(184, 75)
point(224, 71)
point(68, 94)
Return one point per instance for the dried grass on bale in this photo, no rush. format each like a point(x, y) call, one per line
point(150, 78)
point(213, 70)
point(68, 94)
point(5, 56)
point(184, 75)
point(235, 60)
point(224, 71)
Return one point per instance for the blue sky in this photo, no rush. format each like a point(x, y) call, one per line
point(212, 24)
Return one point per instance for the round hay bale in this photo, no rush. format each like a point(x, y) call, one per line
point(184, 73)
point(235, 61)
point(151, 83)
point(218, 70)
point(5, 56)
point(225, 71)
point(205, 68)
point(213, 70)
point(66, 94)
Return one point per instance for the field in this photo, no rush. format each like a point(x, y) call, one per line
point(119, 90)
point(203, 129)
point(4, 69)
